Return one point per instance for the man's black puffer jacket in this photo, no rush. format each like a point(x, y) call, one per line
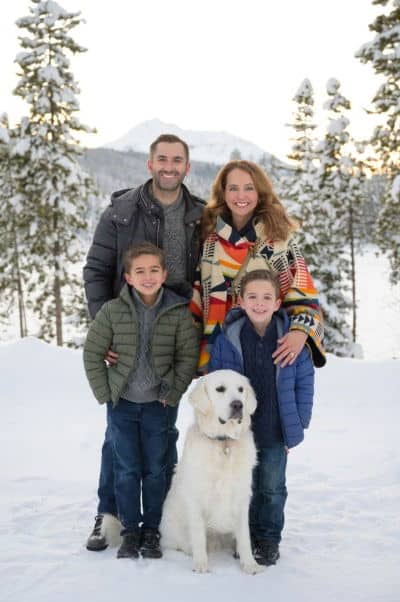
point(134, 216)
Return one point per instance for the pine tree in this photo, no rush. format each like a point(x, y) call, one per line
point(327, 189)
point(303, 124)
point(383, 52)
point(333, 269)
point(354, 199)
point(301, 191)
point(56, 188)
point(14, 262)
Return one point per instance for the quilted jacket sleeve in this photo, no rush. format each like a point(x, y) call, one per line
point(98, 342)
point(186, 355)
point(304, 387)
point(101, 264)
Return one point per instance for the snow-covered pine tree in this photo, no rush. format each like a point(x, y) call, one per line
point(56, 188)
point(355, 198)
point(13, 227)
point(333, 265)
point(302, 192)
point(383, 52)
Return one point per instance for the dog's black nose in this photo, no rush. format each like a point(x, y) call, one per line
point(237, 406)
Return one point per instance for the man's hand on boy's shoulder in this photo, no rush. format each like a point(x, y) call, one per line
point(111, 357)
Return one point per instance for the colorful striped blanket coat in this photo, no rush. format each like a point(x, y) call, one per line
point(223, 255)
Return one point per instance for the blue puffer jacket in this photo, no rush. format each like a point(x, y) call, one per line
point(294, 384)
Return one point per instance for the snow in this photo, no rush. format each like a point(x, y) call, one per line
point(305, 92)
point(21, 147)
point(50, 74)
point(4, 135)
point(342, 534)
point(395, 192)
point(49, 6)
point(378, 326)
point(337, 126)
point(332, 85)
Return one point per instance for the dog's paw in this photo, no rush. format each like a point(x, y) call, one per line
point(200, 565)
point(252, 568)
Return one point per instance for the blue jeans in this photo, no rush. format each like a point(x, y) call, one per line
point(140, 437)
point(106, 490)
point(269, 494)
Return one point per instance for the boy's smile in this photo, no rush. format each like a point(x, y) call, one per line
point(259, 301)
point(146, 276)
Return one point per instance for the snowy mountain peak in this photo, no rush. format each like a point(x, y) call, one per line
point(209, 146)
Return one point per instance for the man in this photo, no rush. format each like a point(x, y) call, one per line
point(164, 212)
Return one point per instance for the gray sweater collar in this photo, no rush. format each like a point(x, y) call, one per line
point(139, 303)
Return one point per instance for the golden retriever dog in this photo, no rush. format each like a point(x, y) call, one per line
point(211, 489)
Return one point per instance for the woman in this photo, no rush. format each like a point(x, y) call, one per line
point(245, 227)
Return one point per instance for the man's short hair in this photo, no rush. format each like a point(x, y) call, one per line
point(267, 275)
point(144, 248)
point(170, 139)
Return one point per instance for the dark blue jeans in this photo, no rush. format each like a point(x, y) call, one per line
point(269, 494)
point(106, 490)
point(139, 434)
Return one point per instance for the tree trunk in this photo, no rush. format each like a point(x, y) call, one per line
point(23, 330)
point(58, 307)
point(353, 273)
point(57, 283)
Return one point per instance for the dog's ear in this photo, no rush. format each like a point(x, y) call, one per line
point(251, 400)
point(198, 396)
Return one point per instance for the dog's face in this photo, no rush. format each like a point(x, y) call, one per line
point(223, 401)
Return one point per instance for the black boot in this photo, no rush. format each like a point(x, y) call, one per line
point(97, 540)
point(150, 546)
point(266, 552)
point(129, 547)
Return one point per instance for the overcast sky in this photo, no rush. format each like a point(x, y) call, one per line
point(208, 65)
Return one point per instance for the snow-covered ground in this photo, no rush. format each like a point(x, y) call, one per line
point(378, 329)
point(342, 534)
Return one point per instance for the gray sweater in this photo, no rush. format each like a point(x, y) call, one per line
point(143, 385)
point(175, 241)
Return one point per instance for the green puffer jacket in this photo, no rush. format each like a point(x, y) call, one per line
point(174, 347)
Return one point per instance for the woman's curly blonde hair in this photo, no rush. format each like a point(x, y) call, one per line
point(269, 210)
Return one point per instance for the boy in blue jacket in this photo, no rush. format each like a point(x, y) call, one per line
point(284, 399)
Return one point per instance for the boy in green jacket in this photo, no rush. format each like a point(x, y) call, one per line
point(152, 331)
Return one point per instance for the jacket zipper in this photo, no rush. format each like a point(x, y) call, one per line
point(151, 346)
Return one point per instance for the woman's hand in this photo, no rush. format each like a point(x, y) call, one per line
point(289, 347)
